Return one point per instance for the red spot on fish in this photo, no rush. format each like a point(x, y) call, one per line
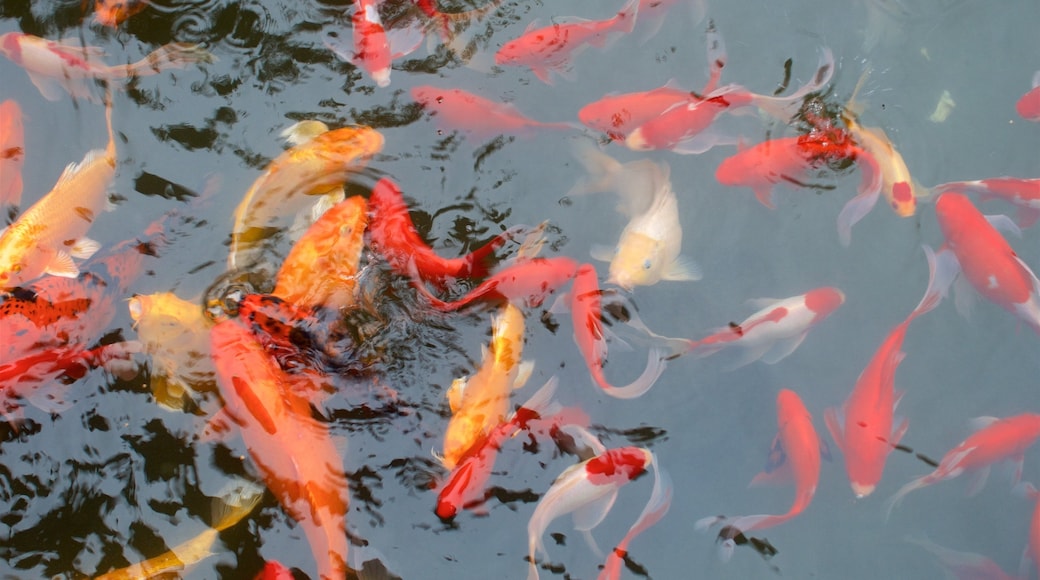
point(625, 464)
point(901, 192)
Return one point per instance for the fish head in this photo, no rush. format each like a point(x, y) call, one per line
point(789, 404)
point(638, 261)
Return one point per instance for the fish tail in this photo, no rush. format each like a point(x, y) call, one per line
point(625, 19)
point(852, 107)
point(172, 55)
point(655, 365)
point(942, 269)
point(785, 108)
point(110, 150)
point(232, 508)
point(898, 496)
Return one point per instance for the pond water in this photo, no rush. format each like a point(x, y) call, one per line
point(105, 477)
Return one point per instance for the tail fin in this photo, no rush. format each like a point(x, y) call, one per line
point(784, 108)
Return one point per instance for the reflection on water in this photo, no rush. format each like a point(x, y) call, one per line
point(129, 439)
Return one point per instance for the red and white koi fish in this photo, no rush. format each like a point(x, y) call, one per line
point(795, 456)
point(550, 49)
point(655, 509)
point(1029, 105)
point(475, 116)
point(374, 48)
point(12, 154)
point(775, 331)
point(528, 282)
point(587, 489)
point(54, 66)
point(292, 451)
point(988, 262)
point(684, 128)
point(112, 13)
point(45, 238)
point(963, 565)
point(1023, 193)
point(393, 235)
point(996, 440)
point(590, 337)
point(865, 428)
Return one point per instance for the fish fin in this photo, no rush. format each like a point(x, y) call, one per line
point(764, 194)
point(600, 167)
point(835, 426)
point(327, 201)
point(977, 480)
point(231, 507)
point(1027, 217)
point(825, 451)
point(704, 141)
point(980, 423)
point(50, 88)
point(73, 168)
point(782, 348)
point(655, 365)
point(303, 132)
point(1036, 83)
point(62, 265)
point(84, 248)
point(592, 513)
point(455, 393)
point(523, 373)
point(1003, 223)
point(748, 355)
point(779, 476)
point(404, 41)
point(855, 210)
point(582, 436)
point(543, 74)
point(1019, 462)
point(898, 496)
point(761, 304)
point(683, 268)
point(963, 296)
point(603, 253)
point(898, 430)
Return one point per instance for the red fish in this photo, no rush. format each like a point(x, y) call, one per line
point(292, 451)
point(795, 456)
point(589, 336)
point(528, 282)
point(1029, 105)
point(393, 235)
point(987, 261)
point(12, 154)
point(112, 13)
point(458, 110)
point(550, 49)
point(374, 48)
point(996, 440)
point(1023, 193)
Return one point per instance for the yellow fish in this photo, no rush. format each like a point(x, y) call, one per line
point(319, 162)
point(45, 238)
point(481, 402)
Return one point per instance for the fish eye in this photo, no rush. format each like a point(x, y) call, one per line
point(647, 264)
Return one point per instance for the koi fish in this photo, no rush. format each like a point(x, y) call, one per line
point(226, 513)
point(55, 66)
point(684, 128)
point(1023, 193)
point(587, 489)
point(795, 455)
point(292, 451)
point(45, 238)
point(12, 154)
point(318, 164)
point(995, 440)
point(550, 49)
point(1028, 106)
point(373, 47)
point(655, 509)
point(590, 338)
point(963, 565)
point(865, 428)
point(776, 330)
point(477, 117)
point(112, 13)
point(988, 262)
point(528, 282)
point(481, 402)
point(648, 250)
point(392, 234)
point(898, 186)
point(321, 268)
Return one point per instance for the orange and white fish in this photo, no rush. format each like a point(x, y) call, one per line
point(795, 456)
point(292, 451)
point(45, 238)
point(12, 154)
point(322, 266)
point(1029, 105)
point(112, 13)
point(588, 489)
point(54, 66)
point(475, 116)
point(986, 259)
point(319, 163)
point(551, 49)
point(649, 248)
point(481, 402)
point(996, 440)
point(373, 47)
point(1023, 193)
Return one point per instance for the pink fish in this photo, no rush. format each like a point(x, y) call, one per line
point(373, 48)
point(1029, 105)
point(12, 154)
point(987, 261)
point(996, 440)
point(551, 49)
point(477, 117)
point(1023, 193)
point(795, 456)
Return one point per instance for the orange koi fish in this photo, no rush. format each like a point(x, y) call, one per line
point(963, 565)
point(481, 402)
point(318, 164)
point(292, 451)
point(54, 66)
point(12, 154)
point(589, 335)
point(988, 262)
point(373, 47)
point(1028, 106)
point(865, 428)
point(795, 455)
point(684, 128)
point(112, 13)
point(550, 49)
point(1023, 193)
point(322, 266)
point(996, 440)
point(45, 238)
point(587, 489)
point(475, 116)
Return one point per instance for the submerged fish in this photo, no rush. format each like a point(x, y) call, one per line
point(12, 154)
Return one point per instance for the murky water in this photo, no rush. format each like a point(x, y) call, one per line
point(104, 477)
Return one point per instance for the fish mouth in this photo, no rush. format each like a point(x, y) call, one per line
point(862, 490)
